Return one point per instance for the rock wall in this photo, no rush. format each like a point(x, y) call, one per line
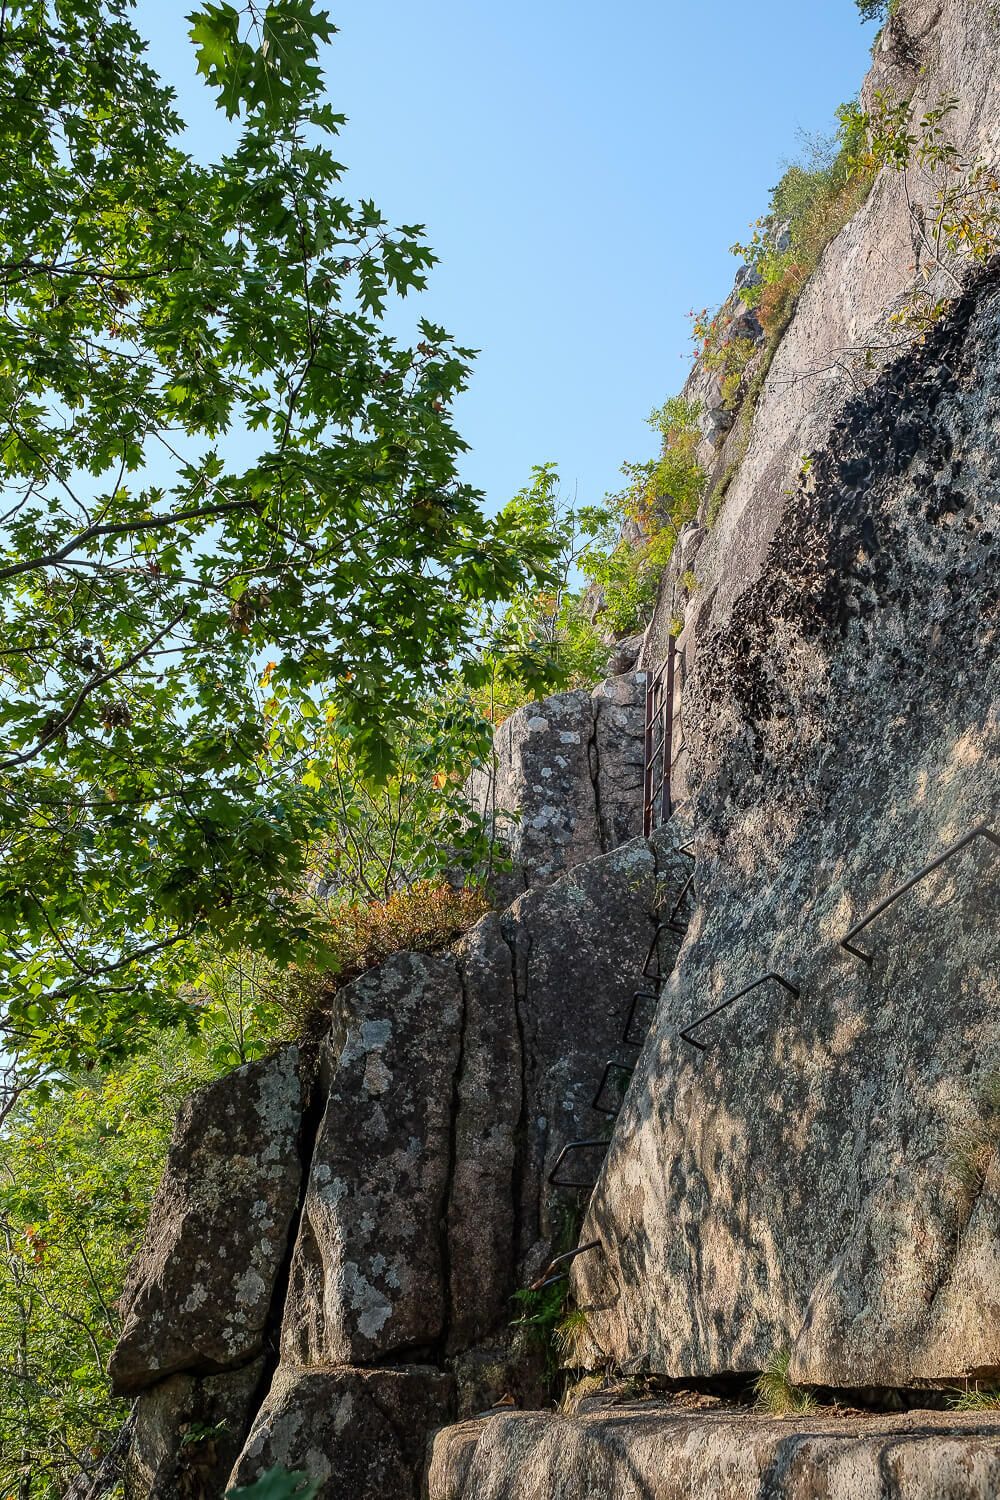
point(804, 1172)
point(790, 1187)
point(331, 1259)
point(814, 1185)
point(565, 782)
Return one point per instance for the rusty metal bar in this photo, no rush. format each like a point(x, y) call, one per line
point(666, 799)
point(657, 803)
point(570, 1149)
point(651, 973)
point(982, 830)
point(610, 1067)
point(637, 995)
point(547, 1278)
point(731, 1000)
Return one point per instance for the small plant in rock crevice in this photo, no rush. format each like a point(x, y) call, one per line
point(973, 1148)
point(975, 1398)
point(776, 1394)
point(571, 1335)
point(541, 1313)
point(277, 1484)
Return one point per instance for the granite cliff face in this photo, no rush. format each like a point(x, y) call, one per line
point(803, 1179)
point(330, 1263)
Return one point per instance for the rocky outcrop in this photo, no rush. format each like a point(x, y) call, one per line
point(444, 1092)
point(357, 1433)
point(199, 1295)
point(565, 781)
point(645, 1451)
point(791, 1187)
point(189, 1431)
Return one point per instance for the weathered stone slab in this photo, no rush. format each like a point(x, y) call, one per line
point(619, 757)
point(540, 789)
point(793, 1187)
point(566, 780)
point(189, 1431)
point(488, 1102)
point(199, 1294)
point(642, 1451)
point(359, 1434)
point(368, 1271)
point(579, 946)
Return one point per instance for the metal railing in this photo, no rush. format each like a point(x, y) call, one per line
point(981, 831)
point(548, 1279)
point(655, 978)
point(792, 989)
point(657, 802)
point(572, 1148)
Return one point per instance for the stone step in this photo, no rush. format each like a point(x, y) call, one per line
point(652, 1450)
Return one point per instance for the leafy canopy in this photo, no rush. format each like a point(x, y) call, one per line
point(223, 484)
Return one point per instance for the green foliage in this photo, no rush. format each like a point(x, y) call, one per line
point(541, 1314)
point(811, 203)
point(276, 1484)
point(961, 222)
point(875, 10)
point(775, 1392)
point(77, 1173)
point(541, 641)
point(975, 1398)
point(157, 310)
point(637, 539)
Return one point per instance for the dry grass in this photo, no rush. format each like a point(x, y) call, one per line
point(973, 1398)
point(973, 1148)
point(425, 918)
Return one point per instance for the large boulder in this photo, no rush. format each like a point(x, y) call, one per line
point(645, 1451)
point(358, 1434)
point(565, 781)
point(805, 1183)
point(189, 1430)
point(199, 1295)
point(368, 1271)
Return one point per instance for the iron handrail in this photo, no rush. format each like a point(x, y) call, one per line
point(982, 830)
point(731, 1000)
point(637, 995)
point(547, 1278)
point(611, 1066)
point(570, 1149)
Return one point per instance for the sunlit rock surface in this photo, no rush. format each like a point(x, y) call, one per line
point(641, 1451)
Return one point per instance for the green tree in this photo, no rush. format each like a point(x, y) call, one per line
point(77, 1174)
point(874, 10)
point(212, 456)
point(539, 640)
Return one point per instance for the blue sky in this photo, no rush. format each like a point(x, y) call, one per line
point(582, 170)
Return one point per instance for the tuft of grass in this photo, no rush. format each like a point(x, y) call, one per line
point(775, 1393)
point(973, 1148)
point(975, 1398)
point(571, 1336)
